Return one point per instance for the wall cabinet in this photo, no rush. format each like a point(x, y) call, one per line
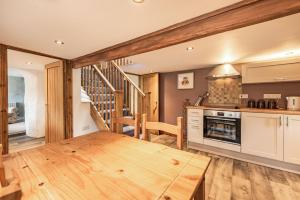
point(195, 125)
point(262, 135)
point(271, 72)
point(292, 139)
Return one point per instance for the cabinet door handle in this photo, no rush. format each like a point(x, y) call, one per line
point(287, 121)
point(280, 121)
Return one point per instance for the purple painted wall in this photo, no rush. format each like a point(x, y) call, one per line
point(171, 99)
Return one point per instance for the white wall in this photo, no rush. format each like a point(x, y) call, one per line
point(136, 80)
point(82, 120)
point(34, 100)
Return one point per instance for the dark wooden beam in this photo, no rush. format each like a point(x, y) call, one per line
point(3, 98)
point(68, 92)
point(33, 52)
point(241, 14)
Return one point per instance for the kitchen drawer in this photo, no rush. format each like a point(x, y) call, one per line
point(195, 120)
point(195, 112)
point(195, 133)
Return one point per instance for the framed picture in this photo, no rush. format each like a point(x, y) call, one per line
point(185, 81)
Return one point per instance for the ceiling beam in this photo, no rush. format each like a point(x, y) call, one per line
point(241, 14)
point(33, 52)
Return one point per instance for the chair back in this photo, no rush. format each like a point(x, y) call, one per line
point(176, 130)
point(120, 121)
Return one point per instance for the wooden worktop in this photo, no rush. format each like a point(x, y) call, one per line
point(107, 166)
point(253, 110)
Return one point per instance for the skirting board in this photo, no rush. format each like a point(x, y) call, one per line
point(246, 157)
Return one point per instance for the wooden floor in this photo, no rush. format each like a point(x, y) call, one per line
point(227, 178)
point(23, 142)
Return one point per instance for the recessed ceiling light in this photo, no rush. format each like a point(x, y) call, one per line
point(190, 48)
point(59, 42)
point(29, 63)
point(289, 53)
point(138, 1)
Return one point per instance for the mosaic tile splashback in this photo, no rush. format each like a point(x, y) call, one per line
point(225, 91)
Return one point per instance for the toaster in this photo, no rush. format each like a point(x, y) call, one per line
point(293, 103)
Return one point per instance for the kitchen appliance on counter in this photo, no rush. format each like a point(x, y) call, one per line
point(261, 104)
point(293, 103)
point(224, 126)
point(251, 103)
point(272, 104)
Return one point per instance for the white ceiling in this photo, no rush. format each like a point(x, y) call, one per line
point(22, 60)
point(89, 25)
point(259, 42)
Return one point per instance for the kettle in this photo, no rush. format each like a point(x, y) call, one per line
point(293, 103)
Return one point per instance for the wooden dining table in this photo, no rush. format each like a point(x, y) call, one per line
point(107, 165)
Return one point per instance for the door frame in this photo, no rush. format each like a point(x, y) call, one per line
point(68, 93)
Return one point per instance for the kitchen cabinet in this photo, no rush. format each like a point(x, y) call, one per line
point(271, 72)
point(195, 125)
point(292, 139)
point(262, 135)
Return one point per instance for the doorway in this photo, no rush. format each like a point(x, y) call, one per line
point(26, 100)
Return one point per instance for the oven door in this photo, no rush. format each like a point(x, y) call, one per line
point(224, 129)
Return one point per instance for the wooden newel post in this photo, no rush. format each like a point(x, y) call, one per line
point(144, 129)
point(180, 132)
point(146, 104)
point(113, 122)
point(137, 125)
point(119, 104)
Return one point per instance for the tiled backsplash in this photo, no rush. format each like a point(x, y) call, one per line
point(225, 91)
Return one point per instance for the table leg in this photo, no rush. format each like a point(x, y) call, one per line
point(200, 193)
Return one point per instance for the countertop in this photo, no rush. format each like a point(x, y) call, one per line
point(253, 110)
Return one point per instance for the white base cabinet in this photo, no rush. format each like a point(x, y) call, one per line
point(195, 125)
point(262, 135)
point(292, 139)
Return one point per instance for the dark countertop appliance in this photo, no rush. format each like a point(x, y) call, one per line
point(261, 104)
point(251, 103)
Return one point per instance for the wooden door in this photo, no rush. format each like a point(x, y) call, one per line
point(262, 135)
point(151, 85)
point(55, 123)
point(291, 139)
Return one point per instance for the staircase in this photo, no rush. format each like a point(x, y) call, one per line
point(111, 91)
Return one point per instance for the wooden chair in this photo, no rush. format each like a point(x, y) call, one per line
point(118, 122)
point(8, 190)
point(176, 130)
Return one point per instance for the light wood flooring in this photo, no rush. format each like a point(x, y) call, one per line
point(23, 142)
point(229, 179)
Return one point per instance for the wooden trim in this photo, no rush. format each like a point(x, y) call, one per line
point(68, 93)
point(238, 15)
point(33, 52)
point(3, 98)
point(119, 109)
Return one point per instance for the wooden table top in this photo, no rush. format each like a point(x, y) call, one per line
point(106, 166)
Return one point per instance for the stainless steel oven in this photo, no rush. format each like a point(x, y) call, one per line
point(223, 126)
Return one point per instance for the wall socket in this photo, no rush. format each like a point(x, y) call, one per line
point(84, 128)
point(272, 96)
point(243, 96)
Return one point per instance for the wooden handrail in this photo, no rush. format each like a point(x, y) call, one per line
point(127, 78)
point(104, 79)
